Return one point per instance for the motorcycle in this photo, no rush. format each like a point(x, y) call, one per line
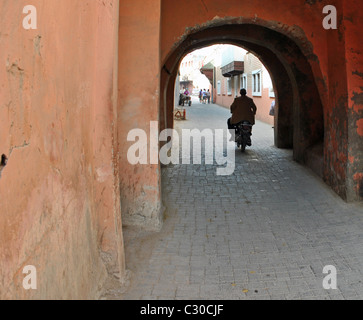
point(243, 134)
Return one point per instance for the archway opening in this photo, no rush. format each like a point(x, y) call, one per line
point(299, 120)
point(218, 73)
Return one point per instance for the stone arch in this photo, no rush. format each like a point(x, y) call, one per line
point(289, 58)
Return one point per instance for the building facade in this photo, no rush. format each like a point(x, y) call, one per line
point(241, 69)
point(190, 75)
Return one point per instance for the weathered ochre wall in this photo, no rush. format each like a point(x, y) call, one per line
point(59, 207)
point(353, 20)
point(343, 113)
point(139, 96)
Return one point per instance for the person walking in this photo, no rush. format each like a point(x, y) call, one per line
point(272, 108)
point(204, 96)
point(208, 96)
point(201, 96)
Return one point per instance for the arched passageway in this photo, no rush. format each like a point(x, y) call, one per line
point(217, 228)
point(309, 78)
point(299, 120)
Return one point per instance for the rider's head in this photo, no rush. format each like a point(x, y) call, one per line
point(243, 92)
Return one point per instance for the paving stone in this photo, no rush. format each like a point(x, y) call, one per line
point(268, 228)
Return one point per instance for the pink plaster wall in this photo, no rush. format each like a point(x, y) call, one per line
point(57, 191)
point(139, 96)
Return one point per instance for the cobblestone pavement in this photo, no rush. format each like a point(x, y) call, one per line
point(265, 232)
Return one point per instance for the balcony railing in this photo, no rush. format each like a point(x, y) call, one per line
point(232, 69)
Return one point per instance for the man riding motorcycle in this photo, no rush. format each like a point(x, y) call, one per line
point(243, 109)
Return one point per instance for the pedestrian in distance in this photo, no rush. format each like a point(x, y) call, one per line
point(204, 96)
point(201, 96)
point(272, 108)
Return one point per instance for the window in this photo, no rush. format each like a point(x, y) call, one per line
point(218, 87)
point(243, 84)
point(229, 86)
point(256, 83)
